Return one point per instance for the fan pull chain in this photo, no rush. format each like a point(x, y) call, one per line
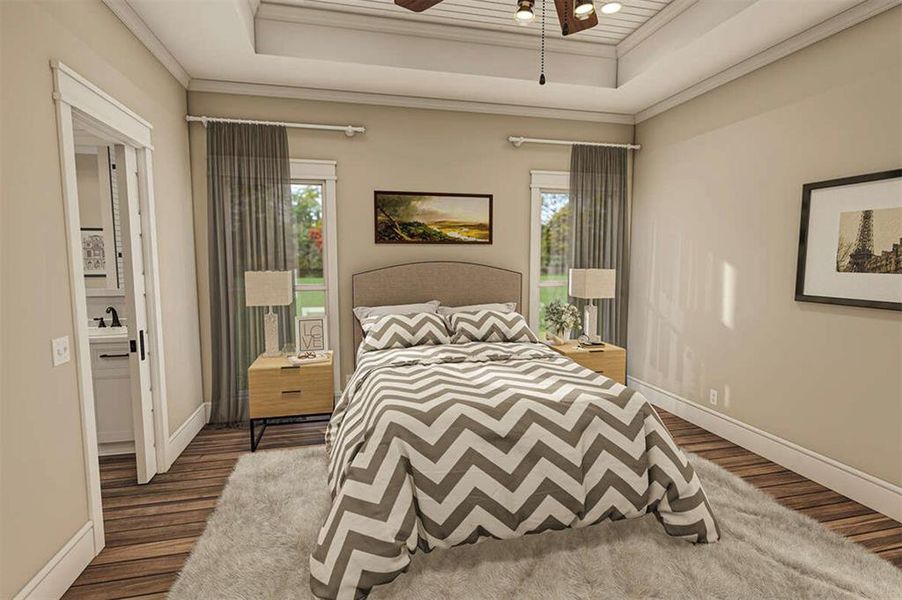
point(542, 64)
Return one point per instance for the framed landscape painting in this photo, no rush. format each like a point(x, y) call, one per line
point(432, 218)
point(850, 243)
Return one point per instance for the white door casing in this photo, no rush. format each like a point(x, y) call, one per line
point(77, 98)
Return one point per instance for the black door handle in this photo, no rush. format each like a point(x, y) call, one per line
point(114, 356)
point(141, 342)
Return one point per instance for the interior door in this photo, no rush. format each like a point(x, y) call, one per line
point(136, 311)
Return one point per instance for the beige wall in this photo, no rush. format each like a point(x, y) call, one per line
point(715, 239)
point(403, 149)
point(43, 500)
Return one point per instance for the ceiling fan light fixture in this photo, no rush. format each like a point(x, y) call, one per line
point(583, 9)
point(609, 8)
point(524, 14)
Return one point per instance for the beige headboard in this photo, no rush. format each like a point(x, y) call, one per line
point(452, 283)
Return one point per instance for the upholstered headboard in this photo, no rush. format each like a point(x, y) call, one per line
point(452, 283)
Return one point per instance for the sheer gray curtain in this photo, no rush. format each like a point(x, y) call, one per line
point(600, 226)
point(250, 229)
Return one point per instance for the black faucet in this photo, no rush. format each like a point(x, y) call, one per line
point(115, 322)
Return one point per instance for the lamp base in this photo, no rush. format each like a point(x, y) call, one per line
point(590, 323)
point(271, 334)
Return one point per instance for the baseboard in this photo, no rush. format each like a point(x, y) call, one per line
point(179, 440)
point(64, 568)
point(115, 448)
point(208, 409)
point(880, 495)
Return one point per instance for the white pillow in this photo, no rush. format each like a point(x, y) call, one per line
point(504, 307)
point(362, 312)
point(403, 331)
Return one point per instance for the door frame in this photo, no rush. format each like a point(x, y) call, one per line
point(116, 122)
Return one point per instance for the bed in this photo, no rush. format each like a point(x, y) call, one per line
point(442, 445)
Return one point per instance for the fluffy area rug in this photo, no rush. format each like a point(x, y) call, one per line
point(257, 543)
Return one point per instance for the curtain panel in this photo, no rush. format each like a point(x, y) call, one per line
point(600, 228)
point(250, 229)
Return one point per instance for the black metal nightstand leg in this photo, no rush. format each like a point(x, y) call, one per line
point(255, 440)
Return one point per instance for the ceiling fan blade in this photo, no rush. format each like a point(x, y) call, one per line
point(569, 23)
point(417, 5)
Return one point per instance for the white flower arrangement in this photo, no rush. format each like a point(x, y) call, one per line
point(561, 318)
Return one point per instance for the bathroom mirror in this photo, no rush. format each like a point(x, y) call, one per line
point(99, 215)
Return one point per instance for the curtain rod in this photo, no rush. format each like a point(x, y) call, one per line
point(518, 141)
point(349, 130)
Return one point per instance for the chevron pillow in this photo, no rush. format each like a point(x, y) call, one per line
point(382, 332)
point(489, 326)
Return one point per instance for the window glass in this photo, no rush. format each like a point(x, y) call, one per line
point(307, 209)
point(554, 251)
point(310, 302)
point(555, 228)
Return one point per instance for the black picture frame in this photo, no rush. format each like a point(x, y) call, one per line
point(489, 198)
point(807, 188)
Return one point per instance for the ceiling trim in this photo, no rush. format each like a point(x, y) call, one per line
point(493, 37)
point(134, 23)
point(833, 25)
point(647, 29)
point(302, 93)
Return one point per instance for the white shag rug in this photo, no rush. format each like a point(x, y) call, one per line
point(258, 541)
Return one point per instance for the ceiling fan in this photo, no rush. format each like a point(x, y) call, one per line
point(573, 15)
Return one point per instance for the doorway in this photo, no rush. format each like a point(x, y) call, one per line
point(114, 273)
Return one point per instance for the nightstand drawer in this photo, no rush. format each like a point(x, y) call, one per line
point(610, 362)
point(280, 390)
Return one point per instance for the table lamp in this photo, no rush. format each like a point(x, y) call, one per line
point(269, 288)
point(590, 284)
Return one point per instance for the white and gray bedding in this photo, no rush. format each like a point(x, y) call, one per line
point(436, 446)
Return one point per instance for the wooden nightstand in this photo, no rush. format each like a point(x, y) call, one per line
point(610, 360)
point(279, 389)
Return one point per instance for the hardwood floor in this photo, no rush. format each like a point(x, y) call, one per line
point(151, 529)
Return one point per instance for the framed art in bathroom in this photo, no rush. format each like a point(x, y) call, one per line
point(93, 252)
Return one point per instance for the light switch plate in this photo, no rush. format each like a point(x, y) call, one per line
point(60, 350)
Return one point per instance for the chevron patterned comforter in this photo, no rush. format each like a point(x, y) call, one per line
point(436, 446)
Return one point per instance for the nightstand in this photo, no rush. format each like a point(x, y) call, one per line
point(279, 389)
point(609, 360)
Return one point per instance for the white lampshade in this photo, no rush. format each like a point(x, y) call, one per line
point(268, 288)
point(593, 283)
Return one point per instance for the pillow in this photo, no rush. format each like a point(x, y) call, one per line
point(382, 332)
point(362, 312)
point(490, 326)
point(504, 307)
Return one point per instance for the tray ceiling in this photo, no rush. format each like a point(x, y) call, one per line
point(498, 14)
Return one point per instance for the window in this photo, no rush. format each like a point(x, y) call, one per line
point(316, 279)
point(309, 281)
point(549, 247)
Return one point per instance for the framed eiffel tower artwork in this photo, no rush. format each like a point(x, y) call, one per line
point(850, 241)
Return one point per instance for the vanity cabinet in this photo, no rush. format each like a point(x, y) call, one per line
point(112, 394)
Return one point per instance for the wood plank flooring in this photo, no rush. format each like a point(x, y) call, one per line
point(151, 529)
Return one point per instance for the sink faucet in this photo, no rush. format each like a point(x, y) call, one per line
point(115, 322)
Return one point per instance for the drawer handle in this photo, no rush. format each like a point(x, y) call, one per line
point(298, 392)
point(114, 355)
point(291, 367)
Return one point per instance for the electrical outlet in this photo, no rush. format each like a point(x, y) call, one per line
point(712, 396)
point(60, 350)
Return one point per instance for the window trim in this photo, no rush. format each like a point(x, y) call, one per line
point(323, 172)
point(540, 181)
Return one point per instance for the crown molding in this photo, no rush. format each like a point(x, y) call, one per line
point(647, 29)
point(472, 35)
point(303, 93)
point(833, 25)
point(125, 13)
